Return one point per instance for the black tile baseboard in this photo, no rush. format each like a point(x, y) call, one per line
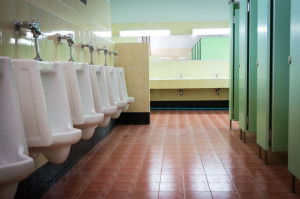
point(41, 180)
point(134, 118)
point(224, 104)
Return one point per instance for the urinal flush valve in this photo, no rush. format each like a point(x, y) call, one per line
point(34, 27)
point(91, 48)
point(105, 50)
point(70, 39)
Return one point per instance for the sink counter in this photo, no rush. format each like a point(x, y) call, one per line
point(189, 83)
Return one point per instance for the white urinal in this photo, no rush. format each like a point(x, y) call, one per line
point(113, 90)
point(81, 101)
point(100, 93)
point(123, 88)
point(44, 108)
point(15, 164)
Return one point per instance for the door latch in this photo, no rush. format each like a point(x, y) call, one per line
point(289, 60)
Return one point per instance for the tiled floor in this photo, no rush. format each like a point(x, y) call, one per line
point(182, 154)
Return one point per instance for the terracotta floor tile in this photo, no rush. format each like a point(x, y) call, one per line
point(168, 171)
point(92, 194)
point(150, 171)
point(145, 195)
point(196, 186)
point(181, 154)
point(225, 195)
point(195, 178)
point(104, 178)
point(118, 195)
point(248, 187)
point(242, 179)
point(98, 186)
point(249, 195)
point(198, 195)
point(193, 171)
point(126, 178)
point(171, 178)
point(215, 171)
point(170, 195)
point(147, 186)
point(148, 178)
point(224, 186)
point(129, 171)
point(170, 186)
point(106, 171)
point(273, 187)
point(122, 186)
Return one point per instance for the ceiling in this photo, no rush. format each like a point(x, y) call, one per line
point(143, 11)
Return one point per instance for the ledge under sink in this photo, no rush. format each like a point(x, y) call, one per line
point(189, 82)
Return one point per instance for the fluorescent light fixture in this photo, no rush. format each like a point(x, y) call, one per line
point(211, 31)
point(137, 33)
point(103, 33)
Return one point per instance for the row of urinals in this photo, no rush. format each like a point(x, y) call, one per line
point(49, 106)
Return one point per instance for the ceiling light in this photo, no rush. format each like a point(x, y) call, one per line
point(103, 33)
point(211, 31)
point(137, 33)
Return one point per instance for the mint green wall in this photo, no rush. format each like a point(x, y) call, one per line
point(214, 48)
point(141, 11)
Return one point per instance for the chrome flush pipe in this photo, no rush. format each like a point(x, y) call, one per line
point(70, 39)
point(115, 54)
point(110, 52)
point(105, 50)
point(91, 48)
point(34, 27)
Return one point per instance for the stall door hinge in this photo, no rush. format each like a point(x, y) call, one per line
point(248, 6)
point(233, 19)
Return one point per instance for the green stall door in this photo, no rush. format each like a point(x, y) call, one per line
point(231, 62)
point(215, 48)
point(234, 62)
point(272, 73)
point(252, 67)
point(294, 94)
point(280, 72)
point(263, 73)
point(243, 64)
point(199, 50)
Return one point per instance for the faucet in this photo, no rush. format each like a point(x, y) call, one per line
point(181, 92)
point(105, 50)
point(180, 76)
point(217, 75)
point(91, 48)
point(34, 27)
point(70, 39)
